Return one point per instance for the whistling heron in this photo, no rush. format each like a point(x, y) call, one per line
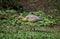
point(31, 18)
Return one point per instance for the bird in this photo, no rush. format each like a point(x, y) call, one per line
point(32, 18)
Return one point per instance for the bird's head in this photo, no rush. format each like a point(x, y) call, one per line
point(24, 19)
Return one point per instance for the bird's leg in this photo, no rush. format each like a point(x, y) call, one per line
point(31, 24)
point(32, 28)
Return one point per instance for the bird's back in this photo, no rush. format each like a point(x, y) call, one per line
point(33, 17)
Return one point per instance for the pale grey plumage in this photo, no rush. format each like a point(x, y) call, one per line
point(36, 18)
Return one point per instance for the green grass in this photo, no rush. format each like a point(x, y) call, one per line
point(11, 29)
point(29, 35)
point(47, 19)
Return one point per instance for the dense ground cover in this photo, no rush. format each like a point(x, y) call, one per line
point(13, 28)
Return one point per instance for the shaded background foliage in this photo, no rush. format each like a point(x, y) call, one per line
point(30, 4)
